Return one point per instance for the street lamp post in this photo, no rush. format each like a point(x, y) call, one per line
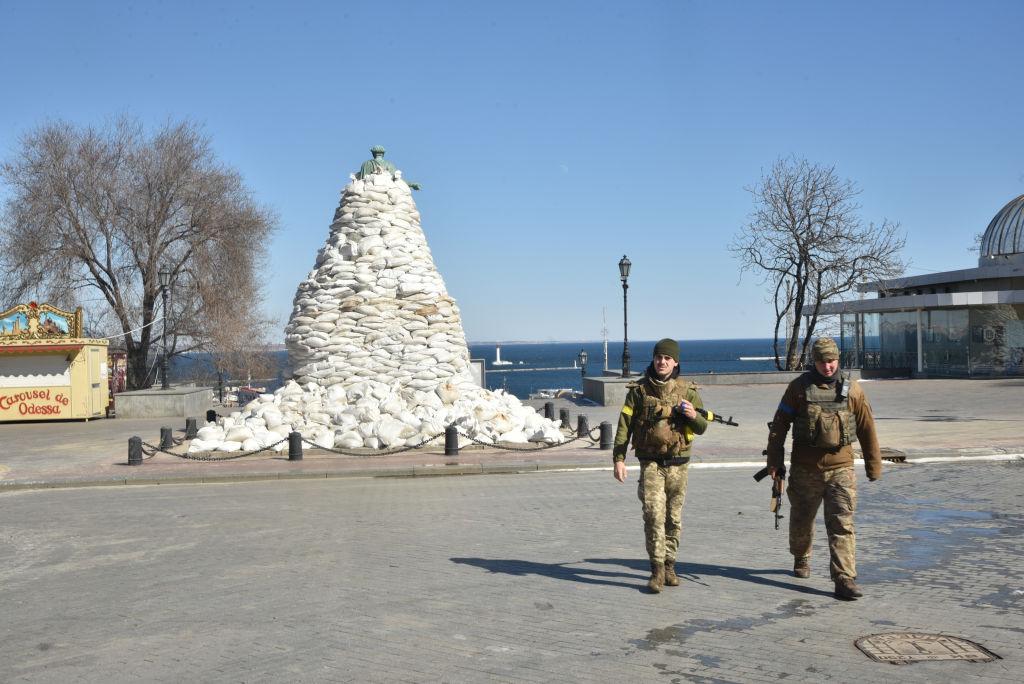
point(624, 266)
point(165, 282)
point(583, 363)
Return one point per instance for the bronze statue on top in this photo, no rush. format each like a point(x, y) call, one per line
point(380, 165)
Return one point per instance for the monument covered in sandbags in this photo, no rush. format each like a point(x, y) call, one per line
point(376, 342)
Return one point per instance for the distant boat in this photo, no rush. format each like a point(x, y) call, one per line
point(497, 358)
point(757, 358)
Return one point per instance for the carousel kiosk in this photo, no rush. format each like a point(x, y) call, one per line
point(47, 369)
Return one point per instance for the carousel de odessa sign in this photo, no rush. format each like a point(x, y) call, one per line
point(36, 402)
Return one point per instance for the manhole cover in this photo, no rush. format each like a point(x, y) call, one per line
point(900, 648)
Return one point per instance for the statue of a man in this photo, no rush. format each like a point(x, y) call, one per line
point(380, 165)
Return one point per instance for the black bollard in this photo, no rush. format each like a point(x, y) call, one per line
point(549, 410)
point(190, 428)
point(563, 415)
point(451, 441)
point(135, 451)
point(166, 438)
point(606, 435)
point(211, 416)
point(294, 446)
point(582, 426)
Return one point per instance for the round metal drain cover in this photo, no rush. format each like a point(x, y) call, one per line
point(900, 648)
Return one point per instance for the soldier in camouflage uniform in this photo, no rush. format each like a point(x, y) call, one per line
point(660, 419)
point(827, 412)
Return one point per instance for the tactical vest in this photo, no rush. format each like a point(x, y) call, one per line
point(657, 430)
point(826, 420)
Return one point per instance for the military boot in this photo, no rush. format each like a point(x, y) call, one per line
point(847, 589)
point(671, 578)
point(657, 580)
point(802, 567)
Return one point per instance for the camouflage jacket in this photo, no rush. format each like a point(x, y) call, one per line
point(794, 405)
point(649, 421)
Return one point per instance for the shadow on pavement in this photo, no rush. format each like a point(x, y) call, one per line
point(635, 570)
point(563, 571)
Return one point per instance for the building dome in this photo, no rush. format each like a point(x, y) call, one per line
point(1004, 238)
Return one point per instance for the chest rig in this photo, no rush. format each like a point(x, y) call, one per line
point(657, 430)
point(826, 420)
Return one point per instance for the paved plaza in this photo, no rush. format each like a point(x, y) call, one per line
point(361, 568)
point(527, 577)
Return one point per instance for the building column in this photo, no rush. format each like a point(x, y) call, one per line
point(920, 337)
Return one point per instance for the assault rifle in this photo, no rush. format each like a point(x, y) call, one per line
point(776, 504)
point(711, 415)
point(708, 415)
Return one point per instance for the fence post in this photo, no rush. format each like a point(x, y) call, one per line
point(549, 410)
point(166, 438)
point(606, 435)
point(211, 416)
point(451, 441)
point(582, 426)
point(294, 446)
point(135, 451)
point(563, 416)
point(190, 428)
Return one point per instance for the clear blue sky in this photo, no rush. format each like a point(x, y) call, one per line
point(551, 138)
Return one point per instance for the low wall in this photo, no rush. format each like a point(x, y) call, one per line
point(182, 402)
point(610, 390)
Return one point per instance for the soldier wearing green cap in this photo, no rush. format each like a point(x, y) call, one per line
point(828, 412)
point(660, 419)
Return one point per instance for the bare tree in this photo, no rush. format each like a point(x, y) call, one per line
point(807, 241)
point(104, 210)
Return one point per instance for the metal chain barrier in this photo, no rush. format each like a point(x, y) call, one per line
point(375, 454)
point(150, 450)
point(153, 450)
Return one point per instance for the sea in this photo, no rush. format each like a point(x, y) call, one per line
point(554, 365)
point(536, 366)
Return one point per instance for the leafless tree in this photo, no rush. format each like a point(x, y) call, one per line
point(104, 210)
point(808, 243)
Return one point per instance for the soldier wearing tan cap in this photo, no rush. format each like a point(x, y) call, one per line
point(828, 412)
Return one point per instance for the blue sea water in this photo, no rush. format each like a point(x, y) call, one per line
point(543, 365)
point(531, 362)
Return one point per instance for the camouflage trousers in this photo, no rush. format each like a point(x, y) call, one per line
point(662, 490)
point(838, 489)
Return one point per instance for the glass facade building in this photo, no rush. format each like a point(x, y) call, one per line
point(967, 323)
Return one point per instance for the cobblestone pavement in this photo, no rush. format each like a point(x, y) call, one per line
point(531, 577)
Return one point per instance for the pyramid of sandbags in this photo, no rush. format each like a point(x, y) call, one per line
point(376, 343)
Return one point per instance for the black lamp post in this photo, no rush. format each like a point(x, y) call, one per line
point(583, 363)
point(624, 265)
point(165, 283)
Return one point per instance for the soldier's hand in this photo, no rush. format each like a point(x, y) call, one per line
point(619, 470)
point(686, 408)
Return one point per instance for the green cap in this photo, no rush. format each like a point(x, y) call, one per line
point(667, 347)
point(825, 349)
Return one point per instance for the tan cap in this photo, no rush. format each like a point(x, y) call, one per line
point(825, 349)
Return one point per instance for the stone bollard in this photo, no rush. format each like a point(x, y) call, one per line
point(211, 416)
point(563, 415)
point(451, 441)
point(190, 428)
point(582, 426)
point(294, 446)
point(166, 438)
point(549, 410)
point(135, 451)
point(606, 435)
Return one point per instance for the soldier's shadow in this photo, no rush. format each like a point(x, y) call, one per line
point(634, 572)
